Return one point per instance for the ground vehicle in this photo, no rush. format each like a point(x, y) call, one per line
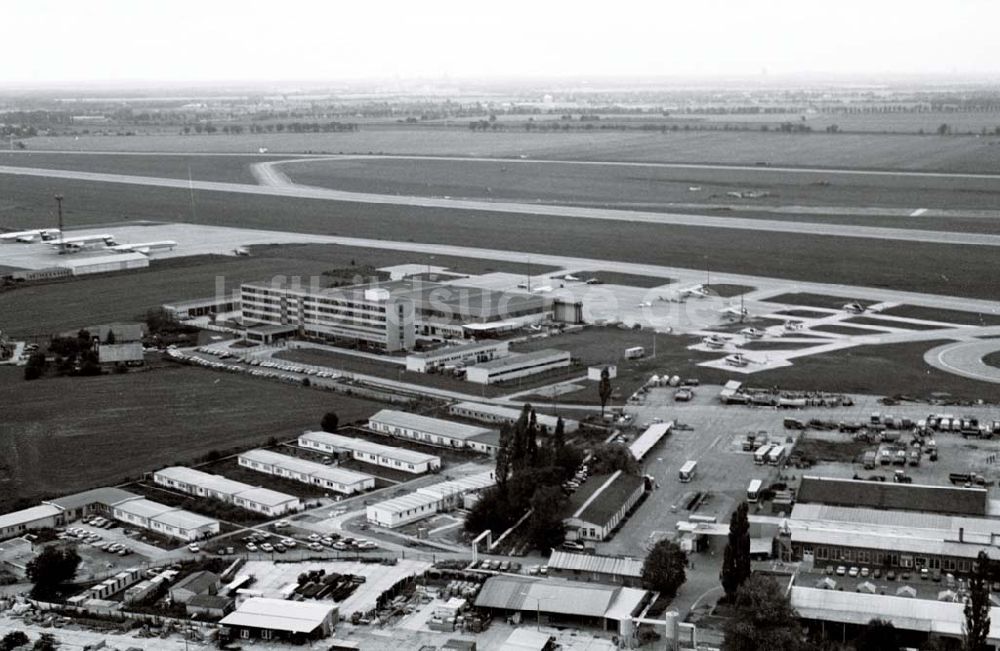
point(193, 548)
point(870, 458)
point(635, 352)
point(968, 478)
point(841, 570)
point(760, 456)
point(683, 395)
point(753, 491)
point(573, 545)
point(687, 471)
point(853, 572)
point(251, 547)
point(267, 547)
point(776, 455)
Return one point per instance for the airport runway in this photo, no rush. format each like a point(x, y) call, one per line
point(281, 188)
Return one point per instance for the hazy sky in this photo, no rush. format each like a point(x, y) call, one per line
point(183, 40)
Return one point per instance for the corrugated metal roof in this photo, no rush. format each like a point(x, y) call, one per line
point(525, 639)
point(923, 615)
point(404, 503)
point(201, 479)
point(511, 414)
point(517, 359)
point(607, 497)
point(617, 566)
point(143, 508)
point(460, 486)
point(549, 595)
point(436, 426)
point(184, 519)
point(342, 442)
point(280, 615)
point(266, 496)
point(642, 445)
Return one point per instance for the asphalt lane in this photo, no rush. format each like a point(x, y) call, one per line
point(704, 221)
point(965, 358)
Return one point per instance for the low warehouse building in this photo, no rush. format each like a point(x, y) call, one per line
point(176, 523)
point(601, 504)
point(949, 500)
point(105, 263)
point(497, 414)
point(212, 606)
point(648, 439)
point(252, 498)
point(427, 501)
point(613, 570)
point(432, 431)
point(464, 355)
point(561, 601)
point(346, 482)
point(368, 452)
point(37, 517)
point(517, 366)
point(277, 619)
point(97, 501)
point(198, 583)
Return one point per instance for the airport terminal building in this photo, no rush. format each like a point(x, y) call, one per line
point(384, 316)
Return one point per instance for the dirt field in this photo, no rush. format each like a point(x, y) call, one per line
point(872, 151)
point(97, 431)
point(899, 265)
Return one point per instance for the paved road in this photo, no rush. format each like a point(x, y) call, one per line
point(965, 358)
point(575, 212)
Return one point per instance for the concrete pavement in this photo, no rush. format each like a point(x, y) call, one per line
point(577, 212)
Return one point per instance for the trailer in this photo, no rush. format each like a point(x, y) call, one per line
point(635, 352)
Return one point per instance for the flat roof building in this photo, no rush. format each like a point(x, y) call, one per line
point(601, 503)
point(840, 535)
point(339, 480)
point(518, 365)
point(487, 413)
point(270, 619)
point(465, 354)
point(388, 315)
point(368, 452)
point(427, 501)
point(432, 431)
point(167, 520)
point(892, 496)
point(94, 501)
point(36, 517)
point(202, 484)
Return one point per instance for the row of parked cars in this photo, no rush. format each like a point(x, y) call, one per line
point(499, 566)
point(890, 575)
point(291, 368)
point(96, 541)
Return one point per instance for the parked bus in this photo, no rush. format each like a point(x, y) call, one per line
point(687, 471)
point(760, 456)
point(753, 492)
point(635, 353)
point(776, 455)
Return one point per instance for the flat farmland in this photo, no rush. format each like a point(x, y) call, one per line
point(97, 431)
point(232, 169)
point(957, 269)
point(869, 151)
point(653, 188)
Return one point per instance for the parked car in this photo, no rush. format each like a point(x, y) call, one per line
point(251, 547)
point(841, 570)
point(193, 548)
point(267, 547)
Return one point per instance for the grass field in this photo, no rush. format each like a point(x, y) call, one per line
point(867, 320)
point(872, 151)
point(855, 261)
point(993, 359)
point(843, 330)
point(98, 431)
point(628, 186)
point(232, 169)
point(618, 278)
point(816, 300)
point(947, 316)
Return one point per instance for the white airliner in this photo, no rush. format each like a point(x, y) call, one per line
point(792, 326)
point(855, 308)
point(144, 247)
point(752, 333)
point(544, 289)
point(735, 312)
point(645, 304)
point(25, 237)
point(73, 244)
point(570, 277)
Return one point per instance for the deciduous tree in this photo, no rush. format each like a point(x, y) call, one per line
point(977, 607)
point(736, 558)
point(763, 619)
point(604, 389)
point(664, 568)
point(51, 569)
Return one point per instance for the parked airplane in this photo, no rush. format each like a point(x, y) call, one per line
point(715, 341)
point(735, 313)
point(144, 247)
point(544, 289)
point(570, 277)
point(791, 326)
point(25, 237)
point(73, 244)
point(645, 304)
point(855, 308)
point(753, 333)
point(737, 359)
